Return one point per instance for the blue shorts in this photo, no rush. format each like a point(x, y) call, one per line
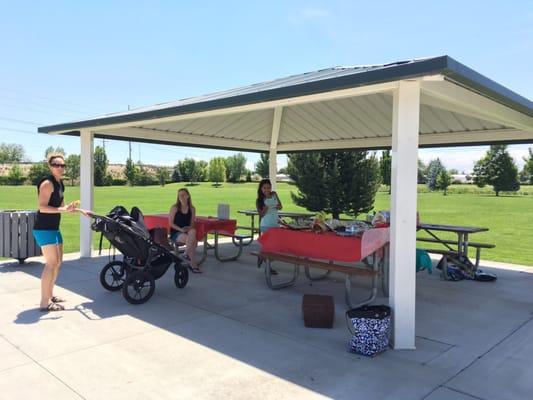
point(45, 237)
point(175, 235)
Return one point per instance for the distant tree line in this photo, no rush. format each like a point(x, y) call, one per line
point(218, 170)
point(320, 171)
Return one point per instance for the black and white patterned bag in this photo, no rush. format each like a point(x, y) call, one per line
point(370, 327)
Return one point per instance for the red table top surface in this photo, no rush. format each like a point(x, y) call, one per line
point(323, 246)
point(203, 225)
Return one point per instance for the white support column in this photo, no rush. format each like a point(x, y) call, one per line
point(86, 190)
point(272, 157)
point(402, 286)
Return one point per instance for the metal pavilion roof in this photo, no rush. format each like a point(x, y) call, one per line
point(334, 108)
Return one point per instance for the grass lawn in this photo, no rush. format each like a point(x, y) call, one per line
point(509, 218)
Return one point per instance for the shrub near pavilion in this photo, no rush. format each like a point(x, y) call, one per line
point(335, 182)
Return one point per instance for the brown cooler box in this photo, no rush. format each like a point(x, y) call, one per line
point(318, 311)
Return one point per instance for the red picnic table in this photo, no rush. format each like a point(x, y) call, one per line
point(327, 251)
point(203, 226)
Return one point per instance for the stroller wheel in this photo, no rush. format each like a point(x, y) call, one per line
point(138, 287)
point(181, 277)
point(113, 275)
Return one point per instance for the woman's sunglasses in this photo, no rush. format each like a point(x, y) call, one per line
point(58, 165)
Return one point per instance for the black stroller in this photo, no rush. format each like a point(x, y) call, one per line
point(143, 261)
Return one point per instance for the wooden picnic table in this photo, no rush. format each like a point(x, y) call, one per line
point(326, 251)
point(456, 250)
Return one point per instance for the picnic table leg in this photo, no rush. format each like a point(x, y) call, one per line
point(316, 278)
point(385, 270)
point(373, 292)
point(280, 285)
point(241, 242)
point(444, 261)
point(462, 259)
point(206, 247)
point(231, 258)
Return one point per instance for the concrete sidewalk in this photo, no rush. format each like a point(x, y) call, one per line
point(226, 335)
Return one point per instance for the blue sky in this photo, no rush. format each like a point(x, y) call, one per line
point(66, 60)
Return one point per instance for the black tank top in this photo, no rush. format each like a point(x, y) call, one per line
point(181, 220)
point(45, 221)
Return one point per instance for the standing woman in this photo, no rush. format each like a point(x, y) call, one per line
point(268, 204)
point(46, 230)
point(181, 218)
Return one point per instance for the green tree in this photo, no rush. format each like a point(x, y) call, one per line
point(497, 168)
point(100, 166)
point(187, 170)
point(202, 171)
point(433, 170)
point(422, 172)
point(248, 176)
point(217, 170)
point(10, 153)
point(335, 182)
point(72, 169)
point(385, 165)
point(176, 175)
point(55, 150)
point(15, 176)
point(38, 171)
point(130, 172)
point(235, 167)
point(453, 171)
point(144, 177)
point(261, 166)
point(444, 180)
point(163, 175)
point(528, 167)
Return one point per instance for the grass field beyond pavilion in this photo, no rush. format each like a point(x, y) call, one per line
point(509, 218)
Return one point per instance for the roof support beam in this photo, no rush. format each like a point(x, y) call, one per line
point(402, 286)
point(184, 139)
point(337, 144)
point(476, 137)
point(272, 157)
point(86, 190)
point(426, 140)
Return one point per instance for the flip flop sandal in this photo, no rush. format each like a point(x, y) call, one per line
point(52, 307)
point(195, 270)
point(56, 299)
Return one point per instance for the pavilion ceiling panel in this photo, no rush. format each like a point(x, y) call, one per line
point(249, 126)
point(348, 118)
point(437, 120)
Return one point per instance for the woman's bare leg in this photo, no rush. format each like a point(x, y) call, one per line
point(191, 245)
point(51, 256)
point(56, 270)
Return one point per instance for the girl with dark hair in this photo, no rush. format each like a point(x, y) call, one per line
point(181, 219)
point(268, 204)
point(46, 229)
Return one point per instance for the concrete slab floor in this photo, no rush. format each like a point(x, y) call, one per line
point(226, 335)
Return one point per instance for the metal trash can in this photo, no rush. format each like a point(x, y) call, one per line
point(16, 238)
